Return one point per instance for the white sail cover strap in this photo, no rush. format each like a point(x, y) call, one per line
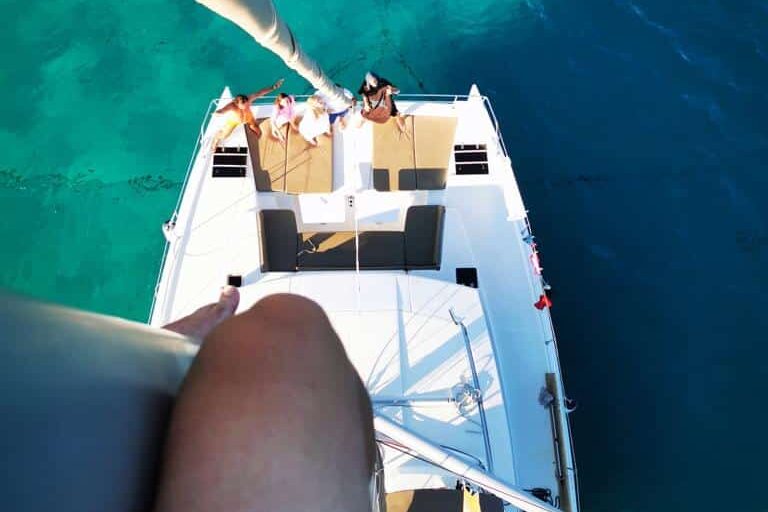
point(260, 19)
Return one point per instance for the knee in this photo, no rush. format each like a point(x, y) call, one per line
point(287, 308)
point(276, 326)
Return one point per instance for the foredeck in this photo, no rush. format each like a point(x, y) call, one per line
point(399, 325)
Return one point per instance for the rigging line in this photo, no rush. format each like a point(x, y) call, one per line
point(353, 206)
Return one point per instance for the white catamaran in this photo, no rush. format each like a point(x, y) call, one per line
point(419, 249)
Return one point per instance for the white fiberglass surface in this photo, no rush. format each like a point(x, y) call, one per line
point(396, 326)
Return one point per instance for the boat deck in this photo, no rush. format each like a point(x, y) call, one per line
point(399, 323)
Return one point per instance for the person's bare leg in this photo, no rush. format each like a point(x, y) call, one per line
point(400, 120)
point(277, 133)
point(255, 129)
point(200, 323)
point(215, 142)
point(272, 416)
point(222, 135)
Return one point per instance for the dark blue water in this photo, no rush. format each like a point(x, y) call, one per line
point(638, 130)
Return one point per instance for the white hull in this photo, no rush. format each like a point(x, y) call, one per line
point(399, 327)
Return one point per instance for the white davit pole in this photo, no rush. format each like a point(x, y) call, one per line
point(260, 19)
point(472, 474)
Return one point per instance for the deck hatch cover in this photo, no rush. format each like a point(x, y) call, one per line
point(232, 149)
point(220, 159)
point(466, 276)
point(230, 162)
point(471, 158)
point(229, 172)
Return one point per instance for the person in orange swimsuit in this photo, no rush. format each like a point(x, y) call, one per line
point(238, 111)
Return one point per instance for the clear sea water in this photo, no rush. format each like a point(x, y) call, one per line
point(638, 130)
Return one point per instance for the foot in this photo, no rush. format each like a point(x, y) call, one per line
point(400, 121)
point(200, 323)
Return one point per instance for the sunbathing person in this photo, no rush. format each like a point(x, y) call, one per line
point(378, 102)
point(283, 113)
point(315, 121)
point(238, 111)
point(339, 110)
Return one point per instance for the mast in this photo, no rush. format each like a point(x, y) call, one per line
point(259, 18)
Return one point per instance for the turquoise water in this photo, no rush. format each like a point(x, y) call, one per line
point(638, 130)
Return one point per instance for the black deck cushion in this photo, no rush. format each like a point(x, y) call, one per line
point(383, 250)
point(430, 179)
point(327, 251)
point(279, 240)
point(381, 180)
point(424, 236)
point(418, 247)
point(406, 180)
point(431, 500)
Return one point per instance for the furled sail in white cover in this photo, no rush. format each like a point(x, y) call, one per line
point(260, 19)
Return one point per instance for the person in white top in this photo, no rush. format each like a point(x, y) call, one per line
point(339, 109)
point(315, 121)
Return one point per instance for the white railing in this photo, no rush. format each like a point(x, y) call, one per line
point(559, 410)
point(175, 214)
point(476, 383)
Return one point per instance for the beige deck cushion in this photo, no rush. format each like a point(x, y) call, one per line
point(393, 157)
point(268, 158)
point(433, 138)
point(309, 168)
point(418, 162)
